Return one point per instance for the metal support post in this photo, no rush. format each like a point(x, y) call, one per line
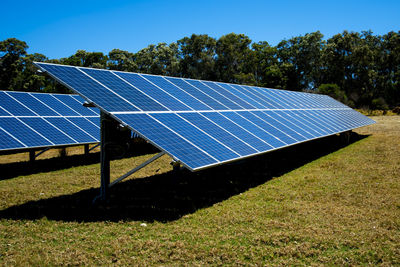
point(86, 148)
point(32, 156)
point(63, 152)
point(345, 137)
point(104, 156)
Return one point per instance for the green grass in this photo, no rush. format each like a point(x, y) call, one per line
point(319, 203)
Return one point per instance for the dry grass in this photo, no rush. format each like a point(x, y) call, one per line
point(314, 204)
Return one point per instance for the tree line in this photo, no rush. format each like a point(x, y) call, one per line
point(360, 69)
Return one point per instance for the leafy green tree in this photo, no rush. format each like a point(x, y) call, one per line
point(350, 61)
point(30, 79)
point(302, 58)
point(12, 52)
point(233, 50)
point(389, 69)
point(333, 90)
point(86, 59)
point(161, 59)
point(197, 57)
point(264, 65)
point(121, 60)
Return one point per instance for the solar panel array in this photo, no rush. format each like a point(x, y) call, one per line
point(33, 120)
point(204, 123)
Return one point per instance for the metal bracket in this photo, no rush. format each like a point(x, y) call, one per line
point(87, 149)
point(33, 156)
point(129, 173)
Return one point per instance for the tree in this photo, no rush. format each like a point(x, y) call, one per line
point(233, 50)
point(302, 58)
point(264, 65)
point(350, 62)
point(197, 57)
point(29, 79)
point(86, 59)
point(389, 68)
point(161, 59)
point(121, 60)
point(12, 52)
point(333, 90)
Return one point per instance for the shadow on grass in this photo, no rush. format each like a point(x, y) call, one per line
point(15, 169)
point(169, 196)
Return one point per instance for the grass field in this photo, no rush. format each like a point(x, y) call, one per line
point(318, 203)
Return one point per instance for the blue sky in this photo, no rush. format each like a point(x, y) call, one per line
point(59, 28)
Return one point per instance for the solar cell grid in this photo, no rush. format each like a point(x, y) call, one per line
point(33, 104)
point(174, 90)
point(166, 139)
point(160, 96)
point(14, 107)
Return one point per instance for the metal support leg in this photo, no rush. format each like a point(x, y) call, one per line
point(176, 166)
point(94, 147)
point(345, 137)
point(86, 147)
point(32, 156)
point(104, 156)
point(63, 152)
point(41, 152)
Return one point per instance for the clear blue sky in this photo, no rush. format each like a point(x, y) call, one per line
point(59, 28)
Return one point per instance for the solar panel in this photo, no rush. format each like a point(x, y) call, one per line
point(36, 120)
point(205, 123)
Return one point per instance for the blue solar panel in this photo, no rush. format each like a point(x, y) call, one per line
point(242, 133)
point(75, 105)
point(256, 95)
point(86, 126)
point(196, 136)
point(168, 140)
point(127, 91)
point(46, 129)
point(8, 142)
point(83, 85)
point(279, 134)
point(196, 93)
point(204, 123)
point(227, 103)
point(227, 94)
point(242, 95)
point(26, 120)
point(3, 112)
point(55, 104)
point(14, 107)
point(67, 127)
point(177, 92)
point(153, 91)
point(22, 132)
point(219, 134)
point(35, 105)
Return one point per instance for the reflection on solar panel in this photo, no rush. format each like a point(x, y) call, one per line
point(33, 120)
point(203, 123)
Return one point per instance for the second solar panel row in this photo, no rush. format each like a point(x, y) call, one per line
point(41, 104)
point(29, 132)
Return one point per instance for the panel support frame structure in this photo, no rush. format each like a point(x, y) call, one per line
point(107, 126)
point(33, 155)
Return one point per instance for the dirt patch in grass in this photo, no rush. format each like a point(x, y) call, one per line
point(316, 203)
